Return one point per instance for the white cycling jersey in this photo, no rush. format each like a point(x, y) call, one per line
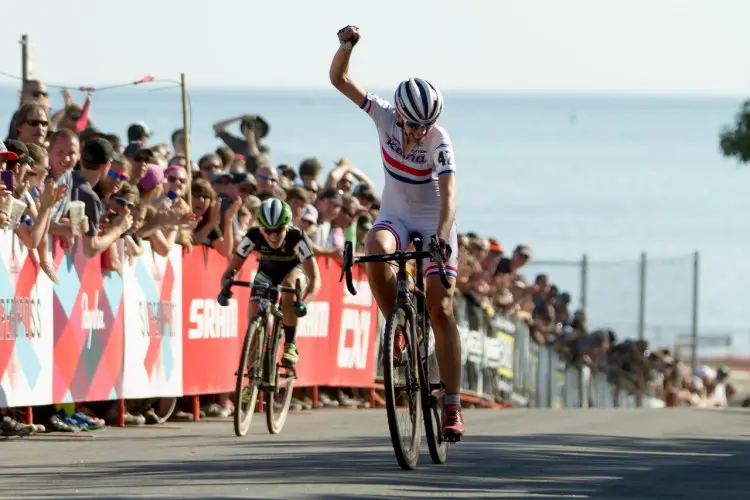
point(410, 201)
point(411, 185)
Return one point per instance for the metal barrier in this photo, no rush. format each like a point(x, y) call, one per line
point(501, 364)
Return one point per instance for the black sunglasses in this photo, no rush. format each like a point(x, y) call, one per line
point(273, 231)
point(123, 202)
point(36, 123)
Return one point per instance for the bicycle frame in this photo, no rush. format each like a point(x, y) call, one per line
point(268, 308)
point(418, 315)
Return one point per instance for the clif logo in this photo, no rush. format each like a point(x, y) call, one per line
point(91, 319)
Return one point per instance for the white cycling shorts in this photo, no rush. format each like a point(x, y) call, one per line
point(400, 229)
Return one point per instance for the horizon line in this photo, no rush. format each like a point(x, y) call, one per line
point(680, 93)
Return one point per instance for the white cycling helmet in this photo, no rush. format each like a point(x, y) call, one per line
point(418, 101)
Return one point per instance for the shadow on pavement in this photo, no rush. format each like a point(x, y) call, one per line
point(567, 465)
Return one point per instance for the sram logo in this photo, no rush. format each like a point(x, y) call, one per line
point(354, 339)
point(209, 320)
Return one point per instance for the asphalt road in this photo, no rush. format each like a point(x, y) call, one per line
point(337, 454)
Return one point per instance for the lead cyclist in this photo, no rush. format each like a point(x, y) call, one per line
point(418, 196)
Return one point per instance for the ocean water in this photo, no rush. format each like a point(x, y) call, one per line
point(606, 176)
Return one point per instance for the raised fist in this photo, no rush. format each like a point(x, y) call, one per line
point(349, 34)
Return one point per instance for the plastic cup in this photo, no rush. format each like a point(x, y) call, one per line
point(77, 213)
point(15, 209)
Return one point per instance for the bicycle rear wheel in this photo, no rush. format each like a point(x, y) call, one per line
point(250, 370)
point(401, 381)
point(433, 415)
point(279, 395)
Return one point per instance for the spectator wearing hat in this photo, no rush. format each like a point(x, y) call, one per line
point(139, 162)
point(33, 223)
point(308, 220)
point(139, 133)
point(329, 207)
point(253, 129)
point(246, 185)
point(151, 184)
point(96, 159)
point(118, 173)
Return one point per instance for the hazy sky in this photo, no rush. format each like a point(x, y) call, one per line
point(687, 46)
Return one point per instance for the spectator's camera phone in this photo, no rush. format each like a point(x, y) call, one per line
point(7, 177)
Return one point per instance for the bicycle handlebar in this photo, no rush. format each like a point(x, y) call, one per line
point(297, 290)
point(349, 261)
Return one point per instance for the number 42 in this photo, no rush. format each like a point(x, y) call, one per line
point(444, 158)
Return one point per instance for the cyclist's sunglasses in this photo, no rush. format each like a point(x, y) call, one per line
point(278, 230)
point(117, 175)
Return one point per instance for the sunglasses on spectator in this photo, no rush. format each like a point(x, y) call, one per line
point(123, 202)
point(268, 179)
point(174, 178)
point(348, 212)
point(36, 123)
point(210, 166)
point(278, 230)
point(117, 175)
point(75, 116)
point(40, 93)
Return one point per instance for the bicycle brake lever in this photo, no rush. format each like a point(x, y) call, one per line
point(347, 267)
point(435, 246)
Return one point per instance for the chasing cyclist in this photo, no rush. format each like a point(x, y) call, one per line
point(418, 196)
point(282, 247)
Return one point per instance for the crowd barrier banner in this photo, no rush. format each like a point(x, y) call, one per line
point(313, 332)
point(88, 328)
point(25, 327)
point(153, 325)
point(337, 340)
point(160, 332)
point(211, 335)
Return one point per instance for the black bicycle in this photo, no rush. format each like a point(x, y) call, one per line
point(259, 360)
point(406, 374)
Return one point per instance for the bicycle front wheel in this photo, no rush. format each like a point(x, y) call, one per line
point(281, 382)
point(249, 377)
point(402, 392)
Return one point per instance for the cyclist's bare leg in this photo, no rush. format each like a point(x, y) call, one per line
point(287, 299)
point(289, 320)
point(381, 275)
point(447, 339)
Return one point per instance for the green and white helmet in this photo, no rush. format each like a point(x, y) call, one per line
point(274, 214)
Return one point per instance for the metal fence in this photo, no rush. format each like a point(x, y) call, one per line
point(500, 363)
point(647, 298)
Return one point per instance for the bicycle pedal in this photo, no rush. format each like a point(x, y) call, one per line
point(451, 437)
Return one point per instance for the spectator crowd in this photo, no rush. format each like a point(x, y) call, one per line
point(65, 179)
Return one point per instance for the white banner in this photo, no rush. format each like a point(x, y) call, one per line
point(153, 325)
point(26, 333)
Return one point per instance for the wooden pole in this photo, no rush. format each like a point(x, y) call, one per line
point(24, 59)
point(186, 136)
